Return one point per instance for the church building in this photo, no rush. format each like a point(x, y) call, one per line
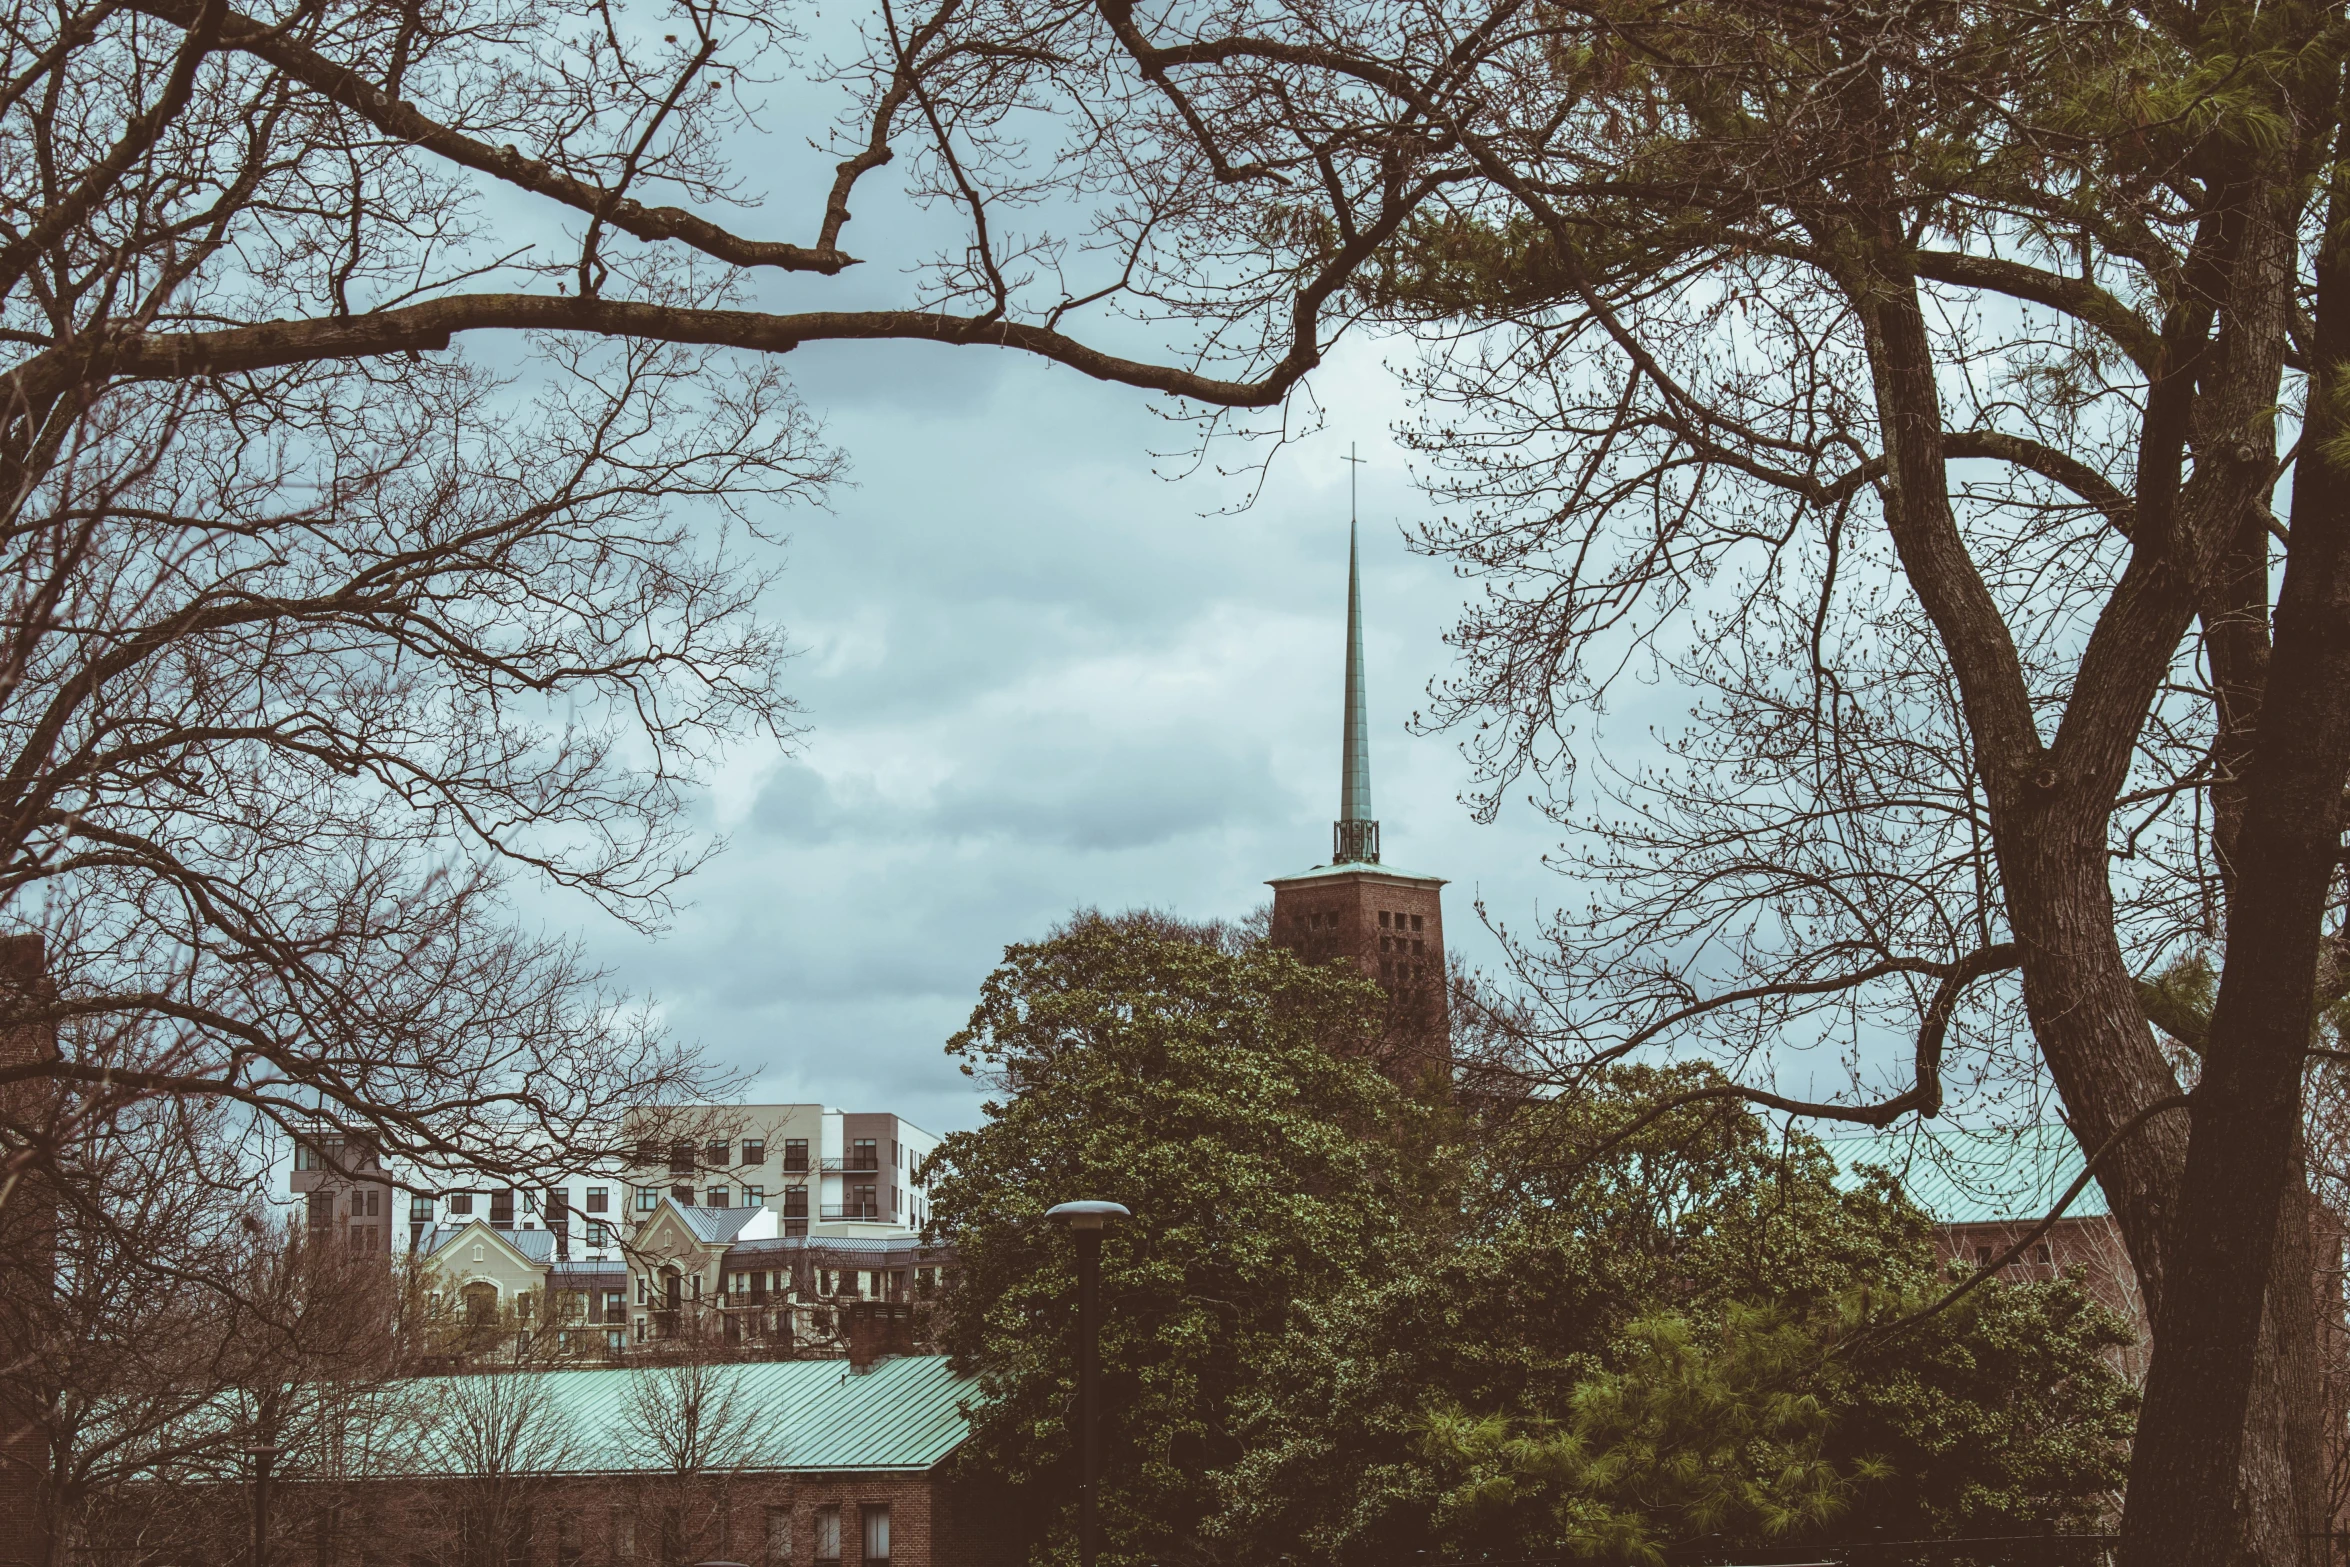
point(1388, 922)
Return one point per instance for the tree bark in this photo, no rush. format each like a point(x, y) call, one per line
point(2239, 1197)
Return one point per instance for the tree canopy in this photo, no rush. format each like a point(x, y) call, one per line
point(1345, 1325)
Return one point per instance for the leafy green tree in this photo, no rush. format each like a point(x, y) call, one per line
point(2002, 1414)
point(1429, 1413)
point(1205, 1083)
point(1695, 1436)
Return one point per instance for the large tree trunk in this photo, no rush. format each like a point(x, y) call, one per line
point(2242, 1288)
point(2050, 808)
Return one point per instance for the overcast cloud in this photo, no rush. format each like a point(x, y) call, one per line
point(1038, 677)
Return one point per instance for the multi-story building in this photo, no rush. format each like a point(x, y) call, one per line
point(711, 1275)
point(819, 1170)
point(348, 1194)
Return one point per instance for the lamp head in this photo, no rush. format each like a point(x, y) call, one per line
point(1088, 1215)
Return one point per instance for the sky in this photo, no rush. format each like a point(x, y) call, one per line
point(1037, 676)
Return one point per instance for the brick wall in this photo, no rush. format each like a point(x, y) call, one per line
point(1392, 930)
point(600, 1521)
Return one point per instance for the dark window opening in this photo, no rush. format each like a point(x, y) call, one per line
point(754, 1150)
point(795, 1153)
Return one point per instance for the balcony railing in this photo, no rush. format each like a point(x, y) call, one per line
point(852, 1210)
point(869, 1162)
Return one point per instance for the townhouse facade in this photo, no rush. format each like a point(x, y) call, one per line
point(690, 1276)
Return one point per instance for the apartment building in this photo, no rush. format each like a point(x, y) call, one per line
point(347, 1193)
point(821, 1171)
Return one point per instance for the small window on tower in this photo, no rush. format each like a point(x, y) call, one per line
point(1415, 922)
point(1385, 919)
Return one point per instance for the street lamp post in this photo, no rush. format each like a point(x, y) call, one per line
point(262, 1455)
point(1085, 1221)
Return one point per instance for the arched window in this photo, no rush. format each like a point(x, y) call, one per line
point(481, 1303)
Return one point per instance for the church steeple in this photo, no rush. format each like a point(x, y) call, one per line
point(1354, 837)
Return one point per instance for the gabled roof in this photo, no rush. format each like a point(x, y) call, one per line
point(534, 1246)
point(716, 1226)
point(799, 1416)
point(1960, 1175)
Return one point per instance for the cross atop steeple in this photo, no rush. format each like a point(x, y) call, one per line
point(1354, 837)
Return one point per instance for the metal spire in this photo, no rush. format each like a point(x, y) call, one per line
point(1354, 837)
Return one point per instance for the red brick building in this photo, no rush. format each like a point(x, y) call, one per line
point(1986, 1190)
point(802, 1463)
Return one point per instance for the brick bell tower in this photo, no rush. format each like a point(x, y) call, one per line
point(1389, 923)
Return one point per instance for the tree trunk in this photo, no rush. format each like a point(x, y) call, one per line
point(2240, 1211)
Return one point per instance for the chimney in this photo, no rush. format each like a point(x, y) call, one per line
point(878, 1328)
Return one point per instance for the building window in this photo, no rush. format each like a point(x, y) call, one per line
point(322, 1210)
point(795, 1202)
point(477, 1251)
point(568, 1549)
point(2040, 1254)
point(778, 1536)
point(647, 1198)
point(795, 1153)
point(460, 1202)
point(305, 1155)
point(754, 1150)
point(754, 1196)
point(681, 1158)
point(1383, 919)
point(828, 1534)
point(1416, 922)
point(864, 1154)
point(864, 1205)
point(717, 1196)
point(502, 1209)
point(1982, 1256)
point(684, 1194)
point(875, 1517)
point(714, 1154)
point(420, 1210)
point(597, 1235)
point(624, 1521)
point(648, 1152)
point(640, 1289)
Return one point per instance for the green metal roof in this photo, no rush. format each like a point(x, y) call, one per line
point(904, 1414)
point(1960, 1175)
